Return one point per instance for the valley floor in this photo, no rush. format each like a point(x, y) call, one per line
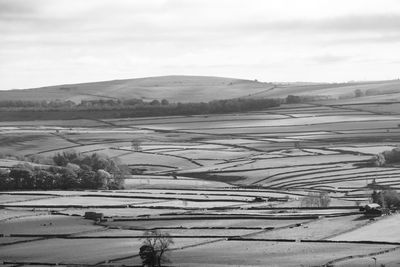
point(228, 188)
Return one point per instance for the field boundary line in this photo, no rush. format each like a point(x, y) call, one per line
point(330, 263)
point(315, 241)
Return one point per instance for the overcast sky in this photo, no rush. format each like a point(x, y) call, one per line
point(48, 42)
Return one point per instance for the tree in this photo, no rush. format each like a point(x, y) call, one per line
point(62, 159)
point(155, 102)
point(21, 176)
point(392, 156)
point(88, 171)
point(147, 255)
point(68, 178)
point(44, 179)
point(378, 160)
point(154, 248)
point(102, 178)
point(293, 99)
point(5, 183)
point(386, 198)
point(88, 179)
point(358, 93)
point(320, 199)
point(136, 145)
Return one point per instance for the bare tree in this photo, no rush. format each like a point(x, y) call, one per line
point(155, 245)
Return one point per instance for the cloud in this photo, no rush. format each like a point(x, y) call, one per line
point(372, 23)
point(366, 23)
point(329, 59)
point(369, 39)
point(83, 39)
point(19, 10)
point(14, 7)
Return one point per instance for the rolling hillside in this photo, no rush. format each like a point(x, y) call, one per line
point(203, 89)
point(172, 88)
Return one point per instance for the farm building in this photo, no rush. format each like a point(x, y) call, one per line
point(372, 209)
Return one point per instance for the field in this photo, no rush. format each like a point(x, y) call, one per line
point(228, 188)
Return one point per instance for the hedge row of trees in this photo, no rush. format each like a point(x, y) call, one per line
point(295, 99)
point(149, 108)
point(154, 108)
point(84, 104)
point(71, 171)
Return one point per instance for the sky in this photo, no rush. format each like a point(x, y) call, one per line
point(50, 42)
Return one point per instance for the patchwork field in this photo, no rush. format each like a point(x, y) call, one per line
point(228, 188)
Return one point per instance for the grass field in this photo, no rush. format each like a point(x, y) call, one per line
point(228, 188)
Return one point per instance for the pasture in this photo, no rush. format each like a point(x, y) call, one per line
point(228, 188)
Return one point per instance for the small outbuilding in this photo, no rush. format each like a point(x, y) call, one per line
point(372, 209)
point(95, 216)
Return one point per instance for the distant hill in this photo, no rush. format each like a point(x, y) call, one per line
point(199, 89)
point(385, 89)
point(172, 88)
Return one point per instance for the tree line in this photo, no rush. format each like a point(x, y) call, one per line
point(71, 170)
point(114, 108)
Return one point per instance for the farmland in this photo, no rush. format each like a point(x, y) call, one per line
point(228, 188)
